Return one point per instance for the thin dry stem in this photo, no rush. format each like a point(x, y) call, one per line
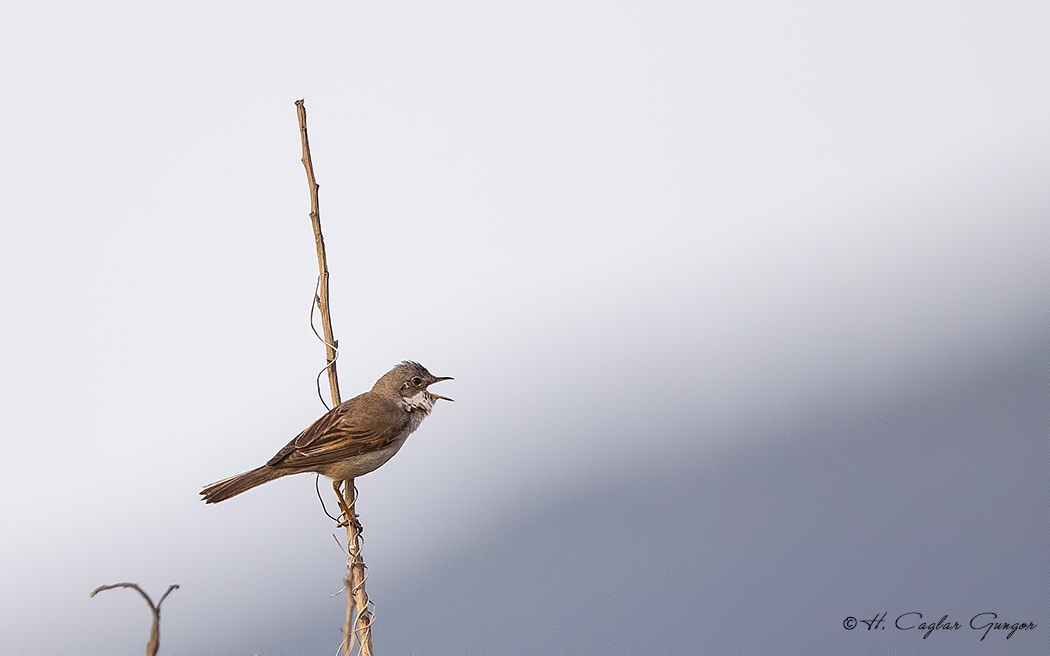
point(357, 625)
point(357, 571)
point(154, 635)
point(322, 262)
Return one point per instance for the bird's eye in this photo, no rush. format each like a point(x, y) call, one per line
point(417, 381)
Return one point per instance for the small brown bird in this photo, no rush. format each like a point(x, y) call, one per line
point(354, 438)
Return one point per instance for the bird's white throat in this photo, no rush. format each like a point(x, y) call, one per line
point(419, 401)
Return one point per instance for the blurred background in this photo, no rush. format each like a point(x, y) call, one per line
point(745, 302)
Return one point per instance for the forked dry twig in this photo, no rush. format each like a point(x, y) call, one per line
point(154, 635)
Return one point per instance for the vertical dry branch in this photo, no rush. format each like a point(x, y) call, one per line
point(322, 262)
point(357, 624)
point(154, 634)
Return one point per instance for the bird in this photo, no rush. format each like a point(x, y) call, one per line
point(353, 438)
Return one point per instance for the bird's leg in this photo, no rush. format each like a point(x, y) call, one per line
point(337, 486)
point(345, 506)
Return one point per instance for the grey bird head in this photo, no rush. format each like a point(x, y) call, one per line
point(409, 381)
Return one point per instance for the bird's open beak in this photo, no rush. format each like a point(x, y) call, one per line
point(438, 396)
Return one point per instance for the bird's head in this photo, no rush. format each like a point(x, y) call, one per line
point(409, 381)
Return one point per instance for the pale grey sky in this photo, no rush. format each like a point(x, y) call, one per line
point(746, 305)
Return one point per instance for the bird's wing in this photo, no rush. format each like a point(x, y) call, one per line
point(352, 428)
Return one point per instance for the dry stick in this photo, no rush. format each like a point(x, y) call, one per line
point(322, 262)
point(361, 623)
point(154, 635)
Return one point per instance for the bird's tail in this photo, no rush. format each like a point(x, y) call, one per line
point(234, 485)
